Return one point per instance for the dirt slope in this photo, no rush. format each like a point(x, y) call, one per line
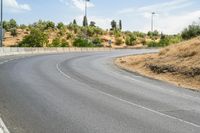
point(178, 64)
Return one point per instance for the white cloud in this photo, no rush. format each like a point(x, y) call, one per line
point(80, 4)
point(167, 6)
point(171, 16)
point(14, 6)
point(173, 24)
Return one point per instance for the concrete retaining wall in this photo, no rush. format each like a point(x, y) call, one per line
point(15, 51)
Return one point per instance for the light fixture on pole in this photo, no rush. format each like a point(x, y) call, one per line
point(152, 21)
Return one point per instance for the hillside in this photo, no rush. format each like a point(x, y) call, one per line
point(178, 64)
point(10, 40)
point(50, 34)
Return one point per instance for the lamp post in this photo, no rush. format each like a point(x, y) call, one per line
point(1, 45)
point(152, 21)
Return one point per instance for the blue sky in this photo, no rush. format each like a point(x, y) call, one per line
point(171, 15)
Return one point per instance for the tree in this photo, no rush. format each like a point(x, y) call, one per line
point(120, 24)
point(50, 24)
point(92, 23)
point(36, 38)
point(12, 24)
point(74, 22)
point(60, 25)
point(85, 22)
point(113, 25)
point(8, 25)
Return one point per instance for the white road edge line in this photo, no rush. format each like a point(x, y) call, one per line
point(60, 71)
point(3, 128)
point(137, 105)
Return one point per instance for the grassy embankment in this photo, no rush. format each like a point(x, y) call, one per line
point(178, 64)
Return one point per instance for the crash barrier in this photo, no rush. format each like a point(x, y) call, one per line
point(16, 50)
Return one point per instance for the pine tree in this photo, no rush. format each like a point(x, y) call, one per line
point(85, 22)
point(74, 22)
point(120, 24)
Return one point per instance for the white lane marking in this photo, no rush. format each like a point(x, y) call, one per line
point(151, 110)
point(137, 105)
point(3, 128)
point(60, 71)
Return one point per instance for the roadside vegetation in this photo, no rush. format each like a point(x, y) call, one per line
point(178, 64)
point(49, 34)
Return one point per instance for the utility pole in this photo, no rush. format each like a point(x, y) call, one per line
point(152, 21)
point(1, 45)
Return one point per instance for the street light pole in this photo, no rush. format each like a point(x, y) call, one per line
point(152, 21)
point(1, 45)
point(86, 8)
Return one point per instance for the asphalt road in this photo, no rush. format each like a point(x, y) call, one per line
point(86, 93)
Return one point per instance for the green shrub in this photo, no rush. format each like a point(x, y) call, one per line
point(13, 32)
point(191, 31)
point(36, 38)
point(118, 41)
point(153, 44)
point(97, 42)
point(56, 42)
point(130, 39)
point(60, 25)
point(64, 43)
point(80, 42)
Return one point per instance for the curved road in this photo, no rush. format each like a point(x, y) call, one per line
point(86, 93)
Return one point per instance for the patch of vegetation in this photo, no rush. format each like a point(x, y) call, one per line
point(191, 32)
point(165, 40)
point(36, 38)
point(81, 42)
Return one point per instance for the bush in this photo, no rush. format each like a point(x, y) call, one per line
point(165, 41)
point(191, 31)
point(56, 42)
point(130, 39)
point(64, 43)
point(97, 42)
point(36, 38)
point(60, 25)
point(153, 44)
point(80, 42)
point(119, 41)
point(13, 32)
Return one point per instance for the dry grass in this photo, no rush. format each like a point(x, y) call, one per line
point(178, 64)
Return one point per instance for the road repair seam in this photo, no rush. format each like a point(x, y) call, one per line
point(3, 128)
point(60, 71)
point(136, 105)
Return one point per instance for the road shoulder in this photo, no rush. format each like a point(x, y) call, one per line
point(138, 64)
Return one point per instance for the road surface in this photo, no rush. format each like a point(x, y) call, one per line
point(87, 93)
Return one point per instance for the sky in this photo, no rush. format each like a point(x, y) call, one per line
point(171, 17)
